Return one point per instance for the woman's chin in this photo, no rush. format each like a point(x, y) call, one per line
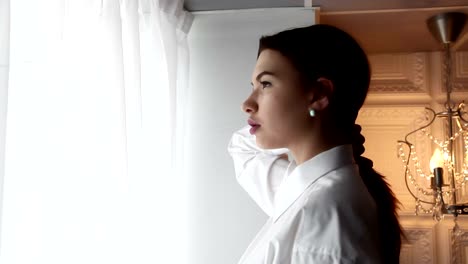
point(264, 144)
point(259, 142)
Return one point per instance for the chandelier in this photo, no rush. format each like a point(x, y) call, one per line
point(440, 187)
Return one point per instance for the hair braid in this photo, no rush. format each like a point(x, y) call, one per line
point(390, 229)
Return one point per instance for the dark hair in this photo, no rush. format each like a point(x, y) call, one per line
point(326, 51)
point(387, 205)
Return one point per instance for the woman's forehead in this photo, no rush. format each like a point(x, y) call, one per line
point(274, 62)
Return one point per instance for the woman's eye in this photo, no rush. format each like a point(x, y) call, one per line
point(265, 84)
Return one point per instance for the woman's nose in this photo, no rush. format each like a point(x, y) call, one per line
point(249, 106)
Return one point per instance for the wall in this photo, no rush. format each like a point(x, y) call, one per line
point(223, 220)
point(403, 84)
point(223, 46)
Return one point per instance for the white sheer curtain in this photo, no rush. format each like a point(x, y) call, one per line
point(4, 64)
point(95, 103)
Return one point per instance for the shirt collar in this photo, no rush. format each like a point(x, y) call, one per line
point(307, 173)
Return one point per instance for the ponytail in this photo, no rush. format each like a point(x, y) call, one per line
point(390, 230)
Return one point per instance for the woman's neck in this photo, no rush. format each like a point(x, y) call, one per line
point(311, 144)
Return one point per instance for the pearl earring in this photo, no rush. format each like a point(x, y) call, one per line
point(312, 112)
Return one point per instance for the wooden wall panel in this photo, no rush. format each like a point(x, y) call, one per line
point(382, 127)
point(402, 86)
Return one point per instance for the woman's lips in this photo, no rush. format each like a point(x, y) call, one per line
point(253, 129)
point(254, 126)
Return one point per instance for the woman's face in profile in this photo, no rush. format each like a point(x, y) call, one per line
point(278, 106)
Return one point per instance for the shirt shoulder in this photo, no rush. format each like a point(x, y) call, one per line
point(342, 187)
point(336, 219)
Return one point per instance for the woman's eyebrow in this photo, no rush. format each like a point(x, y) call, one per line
point(263, 73)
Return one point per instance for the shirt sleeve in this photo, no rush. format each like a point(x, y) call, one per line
point(300, 257)
point(258, 171)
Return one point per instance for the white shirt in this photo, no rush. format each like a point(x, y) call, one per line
point(320, 211)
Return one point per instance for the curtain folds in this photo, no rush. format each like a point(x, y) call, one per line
point(96, 93)
point(4, 69)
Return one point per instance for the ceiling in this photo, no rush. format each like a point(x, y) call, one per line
point(381, 26)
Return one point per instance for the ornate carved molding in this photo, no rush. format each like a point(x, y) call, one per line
point(458, 247)
point(418, 248)
point(459, 72)
point(406, 254)
point(397, 73)
point(390, 115)
point(383, 127)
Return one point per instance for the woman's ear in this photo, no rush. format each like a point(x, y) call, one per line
point(321, 94)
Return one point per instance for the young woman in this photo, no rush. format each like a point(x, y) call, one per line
point(327, 205)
